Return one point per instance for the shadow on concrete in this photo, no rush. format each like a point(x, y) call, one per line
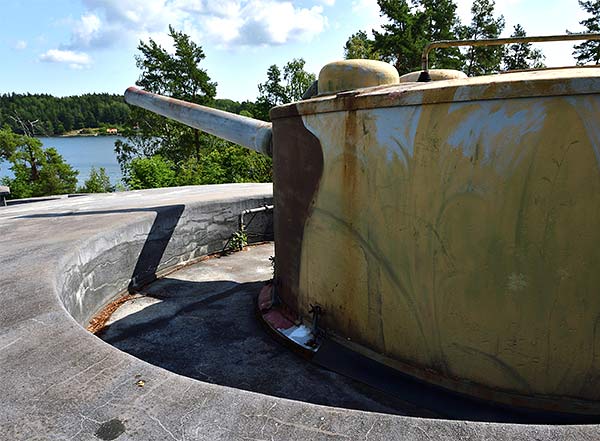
point(158, 238)
point(209, 331)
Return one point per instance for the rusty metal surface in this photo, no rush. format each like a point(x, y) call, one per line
point(458, 238)
point(248, 132)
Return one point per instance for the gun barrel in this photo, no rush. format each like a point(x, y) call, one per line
point(248, 132)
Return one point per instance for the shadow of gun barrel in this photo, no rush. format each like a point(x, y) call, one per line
point(248, 132)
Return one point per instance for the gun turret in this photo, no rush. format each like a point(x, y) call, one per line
point(248, 132)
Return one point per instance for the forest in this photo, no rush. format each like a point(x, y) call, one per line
point(58, 115)
point(55, 116)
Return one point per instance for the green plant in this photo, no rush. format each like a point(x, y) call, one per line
point(152, 172)
point(238, 241)
point(98, 182)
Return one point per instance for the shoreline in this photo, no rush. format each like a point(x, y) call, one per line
point(81, 136)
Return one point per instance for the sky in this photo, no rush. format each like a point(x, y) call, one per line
point(70, 47)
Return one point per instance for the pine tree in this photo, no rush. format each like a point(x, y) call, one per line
point(276, 91)
point(589, 51)
point(400, 42)
point(521, 55)
point(483, 60)
point(438, 21)
point(412, 27)
point(176, 75)
point(360, 46)
point(37, 171)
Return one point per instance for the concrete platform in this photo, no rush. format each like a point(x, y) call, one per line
point(62, 260)
point(201, 322)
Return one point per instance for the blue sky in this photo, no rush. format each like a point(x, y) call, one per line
point(68, 47)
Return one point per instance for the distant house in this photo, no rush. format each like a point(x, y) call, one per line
point(112, 131)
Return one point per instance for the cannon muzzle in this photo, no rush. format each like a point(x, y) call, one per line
point(248, 132)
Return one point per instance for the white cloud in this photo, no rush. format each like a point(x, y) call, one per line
point(463, 10)
point(369, 10)
point(107, 23)
point(272, 23)
point(75, 60)
point(86, 30)
point(20, 45)
point(223, 8)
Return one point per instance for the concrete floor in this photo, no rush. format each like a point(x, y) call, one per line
point(200, 322)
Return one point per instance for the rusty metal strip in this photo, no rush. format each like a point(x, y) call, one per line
point(501, 41)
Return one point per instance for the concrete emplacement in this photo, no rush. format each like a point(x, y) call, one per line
point(63, 260)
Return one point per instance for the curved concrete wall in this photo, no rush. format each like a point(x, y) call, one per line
point(153, 240)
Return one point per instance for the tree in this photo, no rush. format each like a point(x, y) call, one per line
point(438, 21)
point(160, 152)
point(150, 172)
point(98, 182)
point(297, 80)
point(7, 144)
point(56, 176)
point(589, 51)
point(483, 60)
point(521, 55)
point(360, 46)
point(177, 75)
point(37, 171)
point(412, 26)
point(270, 93)
point(275, 91)
point(400, 42)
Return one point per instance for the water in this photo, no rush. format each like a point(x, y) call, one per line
point(82, 153)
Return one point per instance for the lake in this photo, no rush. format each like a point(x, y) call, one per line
point(83, 153)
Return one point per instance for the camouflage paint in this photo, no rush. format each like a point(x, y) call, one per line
point(458, 239)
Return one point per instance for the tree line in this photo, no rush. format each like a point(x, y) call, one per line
point(412, 24)
point(49, 115)
point(415, 23)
